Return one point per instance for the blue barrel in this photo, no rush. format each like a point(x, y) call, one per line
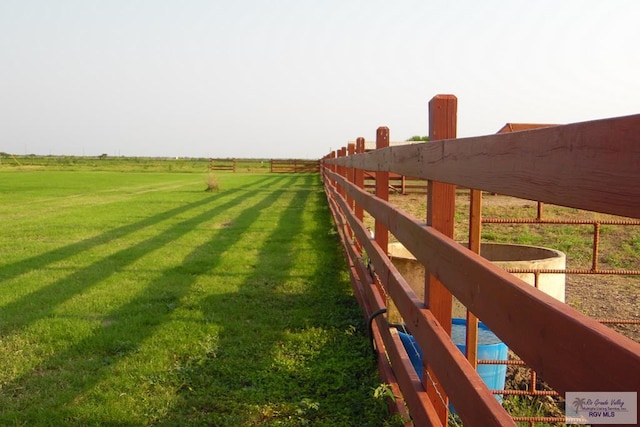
point(489, 348)
point(414, 352)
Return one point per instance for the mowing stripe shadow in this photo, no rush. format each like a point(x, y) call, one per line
point(18, 268)
point(128, 325)
point(27, 311)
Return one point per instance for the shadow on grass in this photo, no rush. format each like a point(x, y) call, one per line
point(292, 348)
point(42, 302)
point(18, 268)
point(63, 377)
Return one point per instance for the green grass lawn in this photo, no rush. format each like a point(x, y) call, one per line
point(141, 299)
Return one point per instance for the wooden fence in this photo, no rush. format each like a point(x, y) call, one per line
point(399, 184)
point(593, 166)
point(294, 166)
point(275, 165)
point(222, 164)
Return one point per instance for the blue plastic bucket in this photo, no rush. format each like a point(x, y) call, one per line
point(489, 348)
point(414, 352)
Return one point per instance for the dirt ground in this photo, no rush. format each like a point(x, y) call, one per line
point(607, 297)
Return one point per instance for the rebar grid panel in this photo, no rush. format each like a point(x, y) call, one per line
point(532, 389)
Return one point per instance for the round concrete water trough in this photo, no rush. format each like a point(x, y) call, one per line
point(503, 255)
point(530, 257)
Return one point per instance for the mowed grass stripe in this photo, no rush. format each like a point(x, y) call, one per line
point(36, 313)
point(15, 241)
point(231, 308)
point(92, 199)
point(25, 200)
point(124, 249)
point(211, 261)
point(142, 311)
point(28, 187)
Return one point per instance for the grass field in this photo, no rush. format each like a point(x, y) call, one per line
point(121, 164)
point(141, 299)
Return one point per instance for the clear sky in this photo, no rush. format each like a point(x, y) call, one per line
point(280, 78)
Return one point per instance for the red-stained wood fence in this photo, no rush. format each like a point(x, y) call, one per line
point(222, 164)
point(398, 184)
point(592, 165)
point(294, 166)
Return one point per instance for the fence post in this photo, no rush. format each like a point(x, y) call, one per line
point(234, 165)
point(351, 149)
point(475, 230)
point(359, 178)
point(332, 167)
point(381, 232)
point(440, 215)
point(382, 189)
point(342, 171)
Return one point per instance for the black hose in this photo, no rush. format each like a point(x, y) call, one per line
point(370, 324)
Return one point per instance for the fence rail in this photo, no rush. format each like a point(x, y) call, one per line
point(275, 165)
point(399, 184)
point(593, 166)
point(294, 166)
point(222, 164)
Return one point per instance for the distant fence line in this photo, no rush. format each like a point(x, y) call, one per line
point(399, 184)
point(294, 166)
point(222, 164)
point(275, 165)
point(104, 162)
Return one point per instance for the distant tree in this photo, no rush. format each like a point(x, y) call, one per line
point(418, 138)
point(103, 156)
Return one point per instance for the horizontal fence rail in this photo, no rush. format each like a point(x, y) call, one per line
point(398, 183)
point(294, 166)
point(593, 166)
point(222, 164)
point(275, 165)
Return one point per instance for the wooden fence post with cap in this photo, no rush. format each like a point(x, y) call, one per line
point(359, 178)
point(440, 216)
point(351, 149)
point(342, 171)
point(382, 189)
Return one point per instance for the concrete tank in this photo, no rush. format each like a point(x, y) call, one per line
point(530, 257)
point(503, 255)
